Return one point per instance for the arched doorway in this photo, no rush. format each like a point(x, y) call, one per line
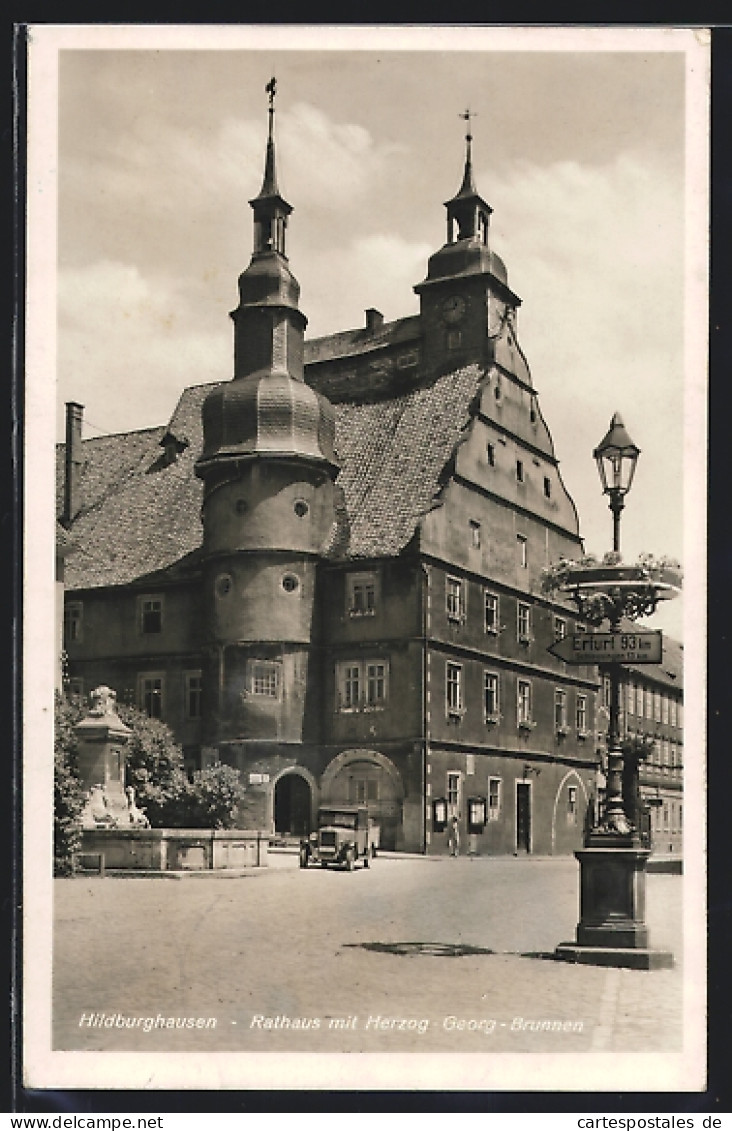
point(292, 805)
point(366, 777)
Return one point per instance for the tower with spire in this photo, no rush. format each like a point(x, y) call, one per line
point(268, 467)
point(465, 297)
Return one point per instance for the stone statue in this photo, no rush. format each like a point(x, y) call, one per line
point(96, 813)
point(103, 702)
point(136, 816)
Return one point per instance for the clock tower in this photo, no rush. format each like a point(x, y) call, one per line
point(465, 301)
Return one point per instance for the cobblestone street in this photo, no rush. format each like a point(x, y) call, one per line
point(347, 958)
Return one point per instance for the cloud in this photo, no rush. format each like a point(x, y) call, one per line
point(127, 346)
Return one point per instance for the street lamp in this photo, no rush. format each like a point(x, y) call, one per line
point(616, 457)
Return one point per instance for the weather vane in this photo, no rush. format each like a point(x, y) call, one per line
point(467, 115)
point(271, 89)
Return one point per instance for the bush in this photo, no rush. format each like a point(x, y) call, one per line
point(68, 796)
point(214, 796)
point(155, 769)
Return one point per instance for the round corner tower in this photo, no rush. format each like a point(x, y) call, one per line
point(268, 467)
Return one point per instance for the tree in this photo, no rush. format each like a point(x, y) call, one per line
point(214, 796)
point(155, 769)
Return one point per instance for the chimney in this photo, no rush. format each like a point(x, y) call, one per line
point(374, 319)
point(74, 417)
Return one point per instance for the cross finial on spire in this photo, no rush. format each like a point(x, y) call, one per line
point(271, 89)
point(467, 115)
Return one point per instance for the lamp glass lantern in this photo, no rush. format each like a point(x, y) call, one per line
point(616, 457)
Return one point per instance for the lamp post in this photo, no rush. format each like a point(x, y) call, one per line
point(616, 457)
point(612, 929)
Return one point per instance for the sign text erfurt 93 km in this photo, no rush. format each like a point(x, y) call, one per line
point(609, 648)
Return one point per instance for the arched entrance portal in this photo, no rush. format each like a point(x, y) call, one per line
point(292, 805)
point(365, 777)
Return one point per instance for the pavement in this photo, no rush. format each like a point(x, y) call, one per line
point(414, 954)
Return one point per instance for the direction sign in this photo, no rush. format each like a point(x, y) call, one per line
point(609, 648)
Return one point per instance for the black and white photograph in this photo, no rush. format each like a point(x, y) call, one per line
point(364, 581)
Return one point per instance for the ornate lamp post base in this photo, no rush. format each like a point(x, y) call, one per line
point(612, 929)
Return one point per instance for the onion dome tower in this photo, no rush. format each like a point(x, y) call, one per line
point(268, 466)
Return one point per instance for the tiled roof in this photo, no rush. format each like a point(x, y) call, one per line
point(348, 342)
point(140, 515)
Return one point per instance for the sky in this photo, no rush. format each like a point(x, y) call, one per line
point(582, 155)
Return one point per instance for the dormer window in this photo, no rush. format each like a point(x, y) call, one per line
point(474, 534)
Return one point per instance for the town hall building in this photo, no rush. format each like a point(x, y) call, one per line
point(325, 571)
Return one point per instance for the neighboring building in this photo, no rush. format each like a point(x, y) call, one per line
point(326, 571)
point(653, 709)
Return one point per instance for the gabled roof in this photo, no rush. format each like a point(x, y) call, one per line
point(139, 516)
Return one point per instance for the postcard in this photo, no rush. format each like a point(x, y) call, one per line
point(365, 423)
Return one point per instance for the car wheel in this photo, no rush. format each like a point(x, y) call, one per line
point(323, 863)
point(303, 857)
point(349, 860)
point(366, 860)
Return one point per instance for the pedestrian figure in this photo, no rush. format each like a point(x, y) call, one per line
point(453, 837)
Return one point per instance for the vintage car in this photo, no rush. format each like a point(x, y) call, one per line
point(344, 836)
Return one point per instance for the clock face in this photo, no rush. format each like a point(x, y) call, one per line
point(453, 308)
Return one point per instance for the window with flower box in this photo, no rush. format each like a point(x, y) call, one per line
point(523, 704)
point(455, 604)
point(523, 623)
point(490, 612)
point(362, 685)
point(490, 697)
point(454, 689)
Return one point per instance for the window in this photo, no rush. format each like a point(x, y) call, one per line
point(150, 693)
point(523, 626)
point(490, 697)
point(522, 548)
point(453, 791)
point(454, 689)
point(581, 714)
point(494, 798)
point(375, 684)
point(673, 717)
point(363, 790)
point(454, 339)
point(350, 686)
point(264, 678)
point(470, 764)
point(606, 692)
point(455, 599)
point(560, 628)
point(664, 708)
point(490, 454)
point(560, 710)
point(657, 706)
point(648, 703)
point(193, 689)
point(363, 685)
point(572, 805)
point(474, 534)
point(361, 594)
point(519, 470)
point(73, 622)
point(547, 487)
point(523, 703)
point(151, 615)
point(491, 612)
point(638, 700)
